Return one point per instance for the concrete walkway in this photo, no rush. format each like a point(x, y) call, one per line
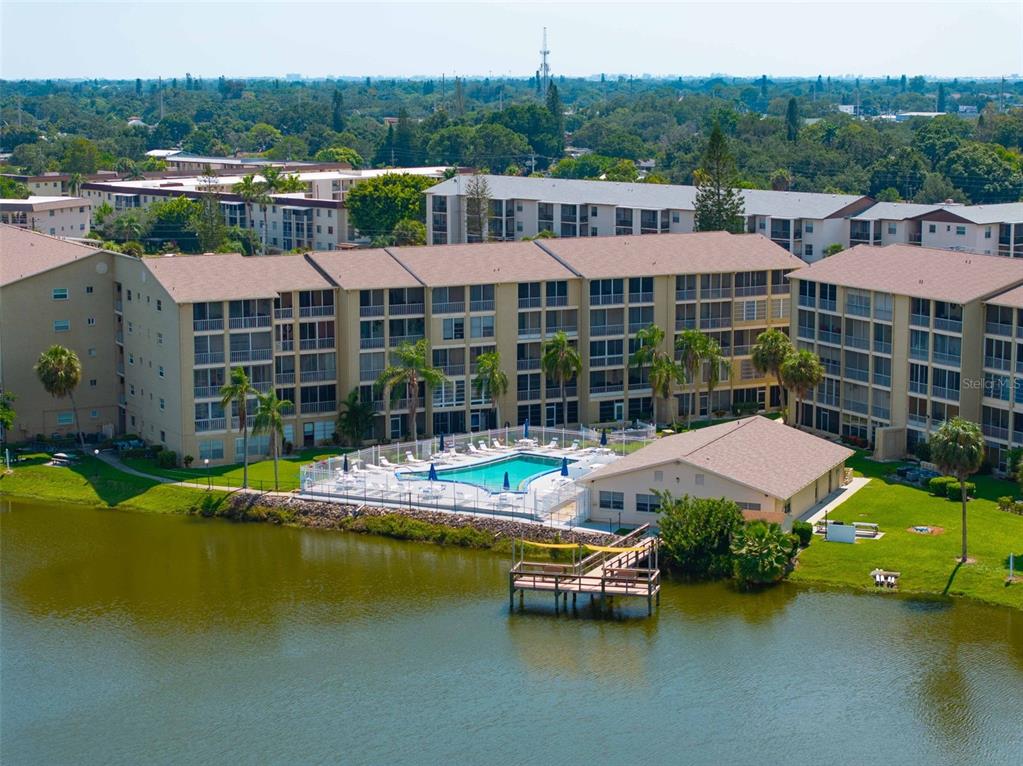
point(197, 483)
point(832, 502)
point(115, 462)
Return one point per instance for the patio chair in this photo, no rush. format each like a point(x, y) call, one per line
point(410, 458)
point(497, 445)
point(386, 463)
point(483, 446)
point(472, 449)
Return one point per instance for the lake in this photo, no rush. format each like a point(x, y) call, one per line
point(134, 638)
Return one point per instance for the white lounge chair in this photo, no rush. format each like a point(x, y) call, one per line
point(473, 450)
point(574, 446)
point(483, 446)
point(386, 463)
point(410, 458)
point(497, 445)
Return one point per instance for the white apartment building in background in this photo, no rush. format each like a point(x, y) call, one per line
point(58, 216)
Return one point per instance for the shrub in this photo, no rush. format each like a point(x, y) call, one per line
point(954, 490)
point(762, 554)
point(804, 531)
point(167, 458)
point(187, 461)
point(923, 451)
point(288, 447)
point(696, 534)
point(939, 485)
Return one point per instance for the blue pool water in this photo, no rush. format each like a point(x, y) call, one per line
point(521, 469)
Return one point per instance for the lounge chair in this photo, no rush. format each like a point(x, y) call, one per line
point(497, 445)
point(483, 446)
point(472, 449)
point(386, 463)
point(410, 458)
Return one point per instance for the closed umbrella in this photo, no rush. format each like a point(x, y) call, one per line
point(344, 465)
point(564, 466)
point(603, 438)
point(525, 429)
point(507, 481)
point(441, 443)
point(433, 472)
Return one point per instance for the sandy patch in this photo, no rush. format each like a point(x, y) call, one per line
point(931, 530)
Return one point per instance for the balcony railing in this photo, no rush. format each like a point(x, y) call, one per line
point(608, 388)
point(313, 376)
point(284, 378)
point(306, 344)
point(557, 300)
point(285, 345)
point(487, 305)
point(603, 330)
point(1017, 437)
point(449, 307)
point(952, 394)
point(527, 394)
point(453, 370)
point(918, 420)
point(828, 400)
point(376, 310)
point(207, 325)
point(528, 364)
point(882, 347)
point(808, 301)
point(248, 322)
point(883, 380)
point(710, 323)
point(118, 306)
point(637, 326)
point(995, 432)
point(952, 325)
point(404, 309)
point(996, 362)
point(262, 386)
point(835, 338)
point(920, 354)
point(742, 291)
point(826, 304)
point(742, 350)
point(370, 375)
point(685, 295)
point(554, 392)
point(211, 357)
point(371, 342)
point(715, 293)
point(328, 405)
point(316, 311)
point(529, 333)
point(857, 373)
point(951, 360)
point(210, 424)
point(251, 354)
point(403, 404)
point(641, 297)
point(806, 333)
point(568, 329)
point(685, 324)
point(917, 387)
point(607, 300)
point(615, 360)
point(855, 406)
point(284, 313)
point(531, 302)
point(858, 309)
point(206, 392)
point(884, 315)
point(884, 413)
point(397, 340)
point(998, 328)
point(857, 341)
point(920, 320)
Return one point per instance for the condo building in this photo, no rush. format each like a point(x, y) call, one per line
point(57, 216)
point(908, 337)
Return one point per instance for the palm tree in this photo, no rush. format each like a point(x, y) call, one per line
point(714, 359)
point(74, 184)
point(60, 372)
point(354, 417)
point(128, 226)
point(665, 372)
point(279, 182)
point(252, 193)
point(561, 362)
point(769, 353)
point(269, 419)
point(238, 392)
point(801, 372)
point(491, 379)
point(410, 366)
point(692, 349)
point(958, 450)
point(6, 414)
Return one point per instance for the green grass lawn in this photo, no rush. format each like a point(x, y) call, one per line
point(926, 562)
point(93, 482)
point(261, 472)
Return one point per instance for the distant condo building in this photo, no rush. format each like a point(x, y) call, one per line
point(58, 216)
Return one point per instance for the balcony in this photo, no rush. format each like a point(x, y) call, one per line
point(376, 310)
point(615, 360)
point(207, 325)
point(951, 325)
point(530, 303)
point(806, 333)
point(997, 363)
point(919, 354)
point(715, 293)
point(748, 290)
point(949, 360)
point(685, 295)
point(883, 315)
point(641, 297)
point(834, 338)
point(284, 378)
point(918, 387)
point(403, 404)
point(285, 345)
point(828, 400)
point(554, 301)
point(262, 386)
point(325, 406)
point(314, 376)
point(211, 357)
point(316, 311)
point(210, 424)
point(453, 370)
point(608, 388)
point(568, 329)
point(528, 364)
point(365, 343)
point(827, 304)
point(918, 420)
point(529, 333)
point(251, 355)
point(742, 350)
point(808, 301)
point(607, 300)
point(527, 394)
point(637, 326)
point(554, 392)
point(920, 320)
point(882, 413)
point(397, 340)
point(883, 347)
point(370, 375)
point(308, 344)
point(857, 373)
point(998, 328)
point(206, 392)
point(603, 330)
point(940, 392)
point(881, 379)
point(118, 306)
point(247, 323)
point(858, 309)
point(405, 309)
point(854, 406)
point(710, 323)
point(685, 324)
point(995, 432)
point(857, 341)
point(120, 369)
point(1017, 437)
point(487, 305)
point(449, 307)
point(285, 313)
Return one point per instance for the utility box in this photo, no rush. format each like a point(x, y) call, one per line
point(840, 533)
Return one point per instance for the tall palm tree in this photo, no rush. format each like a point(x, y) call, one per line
point(801, 372)
point(491, 379)
point(691, 346)
point(769, 353)
point(560, 362)
point(958, 450)
point(354, 417)
point(252, 193)
point(269, 419)
point(665, 372)
point(409, 367)
point(60, 372)
point(74, 184)
point(279, 182)
point(238, 392)
point(716, 363)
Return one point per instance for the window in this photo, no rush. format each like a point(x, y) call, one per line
point(93, 414)
point(60, 293)
point(159, 339)
point(931, 228)
point(647, 503)
point(751, 506)
point(61, 325)
point(658, 476)
point(160, 371)
point(131, 358)
point(612, 501)
point(482, 327)
point(808, 251)
point(211, 450)
point(163, 404)
point(698, 480)
point(808, 227)
point(163, 436)
point(65, 418)
point(131, 389)
point(159, 305)
point(454, 329)
point(88, 289)
point(92, 382)
point(893, 228)
point(960, 231)
point(91, 321)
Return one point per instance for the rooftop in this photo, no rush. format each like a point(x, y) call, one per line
point(1010, 212)
point(25, 253)
point(652, 255)
point(43, 203)
point(758, 452)
point(232, 276)
point(919, 272)
point(480, 264)
point(363, 269)
point(894, 211)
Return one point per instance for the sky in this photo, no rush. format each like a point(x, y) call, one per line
point(145, 38)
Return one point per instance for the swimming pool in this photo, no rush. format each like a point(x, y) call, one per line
point(521, 468)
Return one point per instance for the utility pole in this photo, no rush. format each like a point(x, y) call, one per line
point(545, 68)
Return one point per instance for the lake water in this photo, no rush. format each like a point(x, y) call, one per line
point(130, 638)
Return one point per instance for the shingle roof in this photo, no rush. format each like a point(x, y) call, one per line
point(25, 253)
point(920, 272)
point(652, 255)
point(479, 264)
point(1007, 212)
point(1013, 298)
point(757, 452)
point(894, 211)
point(369, 269)
point(789, 204)
point(231, 276)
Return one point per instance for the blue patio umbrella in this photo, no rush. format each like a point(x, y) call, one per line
point(507, 481)
point(433, 472)
point(525, 429)
point(603, 438)
point(441, 443)
point(564, 466)
point(344, 465)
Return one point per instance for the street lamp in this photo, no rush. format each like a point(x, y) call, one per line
point(209, 480)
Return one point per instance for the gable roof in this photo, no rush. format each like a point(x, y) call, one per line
point(757, 452)
point(25, 253)
point(707, 252)
point(232, 276)
point(480, 264)
point(920, 272)
point(1006, 212)
point(364, 269)
point(894, 211)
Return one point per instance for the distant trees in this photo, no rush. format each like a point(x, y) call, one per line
point(80, 156)
point(902, 170)
point(340, 154)
point(376, 205)
point(7, 414)
point(408, 232)
point(792, 122)
point(11, 189)
point(719, 204)
point(207, 218)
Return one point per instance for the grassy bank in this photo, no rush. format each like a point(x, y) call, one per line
point(927, 563)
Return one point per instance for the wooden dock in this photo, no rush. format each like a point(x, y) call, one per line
point(607, 574)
